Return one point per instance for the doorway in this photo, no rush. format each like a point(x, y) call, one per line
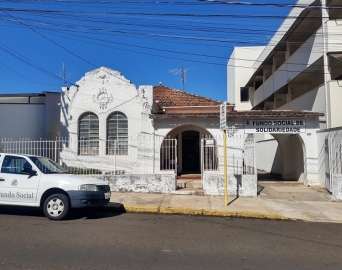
point(190, 152)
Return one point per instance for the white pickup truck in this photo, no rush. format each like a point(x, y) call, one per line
point(28, 180)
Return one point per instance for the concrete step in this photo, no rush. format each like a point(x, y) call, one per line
point(188, 191)
point(194, 184)
point(189, 177)
point(199, 191)
point(184, 192)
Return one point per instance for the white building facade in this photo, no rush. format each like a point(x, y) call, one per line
point(142, 138)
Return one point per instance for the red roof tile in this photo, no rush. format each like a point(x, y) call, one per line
point(169, 97)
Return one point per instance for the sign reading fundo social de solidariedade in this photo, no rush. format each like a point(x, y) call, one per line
point(275, 126)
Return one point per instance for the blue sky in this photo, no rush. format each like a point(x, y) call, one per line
point(147, 41)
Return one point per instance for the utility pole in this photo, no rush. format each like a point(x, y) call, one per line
point(182, 72)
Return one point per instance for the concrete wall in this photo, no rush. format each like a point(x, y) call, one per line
point(337, 186)
point(22, 121)
point(142, 183)
point(238, 185)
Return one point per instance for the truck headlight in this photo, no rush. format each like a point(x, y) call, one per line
point(88, 187)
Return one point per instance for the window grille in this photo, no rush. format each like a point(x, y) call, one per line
point(117, 134)
point(88, 140)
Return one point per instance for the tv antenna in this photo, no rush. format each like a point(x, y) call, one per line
point(65, 74)
point(182, 72)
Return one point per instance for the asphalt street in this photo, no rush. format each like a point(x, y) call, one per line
point(102, 240)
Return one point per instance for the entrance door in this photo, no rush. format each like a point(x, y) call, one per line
point(190, 152)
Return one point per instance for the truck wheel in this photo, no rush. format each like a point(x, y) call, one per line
point(56, 206)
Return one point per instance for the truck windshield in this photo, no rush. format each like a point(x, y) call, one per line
point(47, 165)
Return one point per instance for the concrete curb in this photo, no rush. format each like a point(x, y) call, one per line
point(194, 212)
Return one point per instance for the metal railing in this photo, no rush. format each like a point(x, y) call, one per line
point(126, 156)
point(241, 154)
point(168, 154)
point(249, 157)
point(209, 157)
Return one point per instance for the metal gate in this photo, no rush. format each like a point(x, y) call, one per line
point(249, 157)
point(168, 154)
point(209, 158)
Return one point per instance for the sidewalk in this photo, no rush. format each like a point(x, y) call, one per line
point(285, 201)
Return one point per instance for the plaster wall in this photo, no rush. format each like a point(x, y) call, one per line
point(238, 185)
point(303, 145)
point(269, 156)
point(333, 35)
point(299, 158)
point(155, 183)
point(335, 92)
point(313, 100)
point(207, 126)
point(104, 91)
point(293, 160)
point(337, 186)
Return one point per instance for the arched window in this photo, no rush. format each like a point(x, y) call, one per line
point(117, 134)
point(88, 136)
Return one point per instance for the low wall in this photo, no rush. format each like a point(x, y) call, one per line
point(146, 183)
point(337, 186)
point(238, 185)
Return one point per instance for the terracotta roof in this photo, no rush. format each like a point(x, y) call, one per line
point(243, 114)
point(169, 97)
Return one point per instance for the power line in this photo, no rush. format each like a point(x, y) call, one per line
point(26, 78)
point(158, 15)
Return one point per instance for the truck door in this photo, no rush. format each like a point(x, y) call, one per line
point(16, 186)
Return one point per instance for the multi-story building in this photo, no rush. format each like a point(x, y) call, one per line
point(299, 69)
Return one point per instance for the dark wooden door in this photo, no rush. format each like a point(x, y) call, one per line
point(190, 152)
